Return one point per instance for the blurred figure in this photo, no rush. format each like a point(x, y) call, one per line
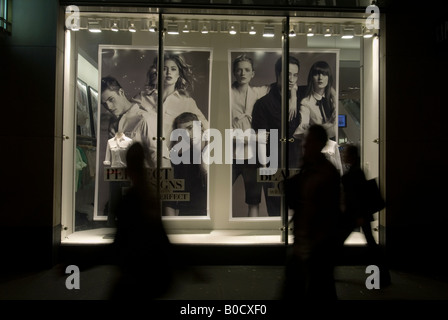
point(143, 249)
point(354, 213)
point(353, 181)
point(314, 196)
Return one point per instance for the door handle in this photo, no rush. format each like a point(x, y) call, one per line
point(377, 140)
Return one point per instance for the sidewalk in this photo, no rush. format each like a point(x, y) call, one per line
point(242, 283)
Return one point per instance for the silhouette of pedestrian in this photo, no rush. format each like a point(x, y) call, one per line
point(144, 252)
point(355, 213)
point(314, 196)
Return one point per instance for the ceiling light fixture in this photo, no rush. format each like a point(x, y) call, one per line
point(172, 28)
point(232, 29)
point(132, 28)
point(204, 29)
point(252, 30)
point(152, 27)
point(185, 29)
point(94, 26)
point(348, 33)
point(292, 32)
point(367, 33)
point(310, 30)
point(328, 31)
point(268, 31)
point(114, 27)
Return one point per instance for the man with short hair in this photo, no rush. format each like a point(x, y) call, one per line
point(131, 119)
point(267, 114)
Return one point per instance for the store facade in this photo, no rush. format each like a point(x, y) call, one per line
point(222, 206)
point(97, 41)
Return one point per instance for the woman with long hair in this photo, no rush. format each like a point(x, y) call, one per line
point(319, 104)
point(178, 83)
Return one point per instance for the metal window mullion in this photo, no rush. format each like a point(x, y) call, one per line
point(160, 62)
point(284, 123)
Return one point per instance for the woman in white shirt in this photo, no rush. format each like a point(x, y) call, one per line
point(178, 80)
point(243, 98)
point(319, 104)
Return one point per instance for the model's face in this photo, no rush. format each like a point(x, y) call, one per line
point(188, 126)
point(293, 76)
point(320, 81)
point(114, 102)
point(243, 72)
point(170, 72)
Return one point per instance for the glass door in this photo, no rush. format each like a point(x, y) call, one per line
point(224, 65)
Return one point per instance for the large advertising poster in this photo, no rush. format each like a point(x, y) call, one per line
point(255, 95)
point(128, 111)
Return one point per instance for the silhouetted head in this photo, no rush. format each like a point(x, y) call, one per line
point(135, 160)
point(315, 140)
point(350, 155)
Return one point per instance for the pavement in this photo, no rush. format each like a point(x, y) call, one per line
point(215, 285)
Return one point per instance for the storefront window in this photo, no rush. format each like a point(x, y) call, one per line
point(5, 15)
point(220, 80)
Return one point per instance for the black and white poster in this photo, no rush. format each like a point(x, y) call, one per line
point(255, 113)
point(128, 111)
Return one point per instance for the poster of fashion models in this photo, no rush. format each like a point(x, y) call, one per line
point(320, 97)
point(255, 107)
point(128, 111)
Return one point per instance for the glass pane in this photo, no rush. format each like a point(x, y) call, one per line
point(320, 44)
point(210, 46)
point(220, 117)
point(186, 83)
point(111, 51)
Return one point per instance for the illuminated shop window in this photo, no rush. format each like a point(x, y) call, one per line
point(5, 24)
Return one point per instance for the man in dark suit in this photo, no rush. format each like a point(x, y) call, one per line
point(267, 114)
